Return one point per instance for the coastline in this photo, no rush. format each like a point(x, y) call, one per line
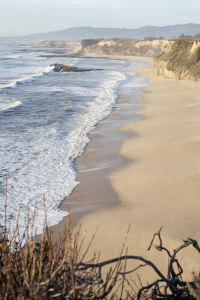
point(100, 158)
point(160, 184)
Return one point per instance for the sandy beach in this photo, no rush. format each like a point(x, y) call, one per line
point(156, 182)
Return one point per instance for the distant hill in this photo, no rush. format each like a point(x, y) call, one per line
point(78, 33)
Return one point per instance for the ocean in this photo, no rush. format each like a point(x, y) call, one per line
point(45, 118)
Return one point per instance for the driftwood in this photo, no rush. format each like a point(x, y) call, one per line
point(172, 287)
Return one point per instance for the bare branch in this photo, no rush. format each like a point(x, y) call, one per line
point(86, 266)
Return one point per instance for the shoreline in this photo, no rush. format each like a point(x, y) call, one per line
point(160, 184)
point(100, 158)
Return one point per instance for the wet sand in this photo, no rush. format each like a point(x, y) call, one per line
point(100, 158)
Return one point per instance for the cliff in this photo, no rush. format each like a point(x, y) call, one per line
point(122, 47)
point(179, 59)
point(55, 44)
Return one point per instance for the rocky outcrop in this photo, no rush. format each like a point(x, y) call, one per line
point(179, 59)
point(122, 47)
point(68, 68)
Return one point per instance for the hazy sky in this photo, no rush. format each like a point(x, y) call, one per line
point(22, 17)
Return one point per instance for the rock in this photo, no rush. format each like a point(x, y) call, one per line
point(68, 68)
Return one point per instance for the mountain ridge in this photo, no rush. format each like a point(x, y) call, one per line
point(81, 32)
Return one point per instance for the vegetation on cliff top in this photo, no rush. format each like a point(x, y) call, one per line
point(188, 36)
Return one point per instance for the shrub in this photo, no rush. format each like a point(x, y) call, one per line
point(44, 270)
point(30, 270)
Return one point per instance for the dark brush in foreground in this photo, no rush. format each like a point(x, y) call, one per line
point(44, 270)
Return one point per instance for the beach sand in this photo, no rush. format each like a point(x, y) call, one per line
point(157, 181)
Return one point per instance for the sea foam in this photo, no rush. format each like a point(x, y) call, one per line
point(29, 78)
point(47, 165)
point(9, 104)
point(40, 141)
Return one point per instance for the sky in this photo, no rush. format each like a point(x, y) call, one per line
point(23, 17)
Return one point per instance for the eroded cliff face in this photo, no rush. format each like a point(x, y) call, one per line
point(179, 59)
point(54, 44)
point(122, 47)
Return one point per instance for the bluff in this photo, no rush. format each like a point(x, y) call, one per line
point(179, 59)
point(54, 44)
point(122, 47)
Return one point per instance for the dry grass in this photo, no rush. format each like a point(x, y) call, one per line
point(30, 270)
point(44, 270)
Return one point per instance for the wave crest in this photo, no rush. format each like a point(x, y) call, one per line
point(8, 105)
